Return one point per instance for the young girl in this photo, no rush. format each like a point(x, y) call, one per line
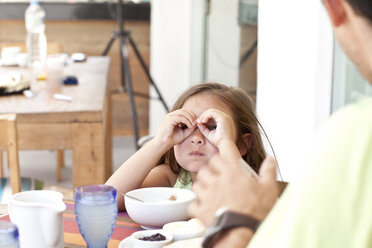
point(206, 120)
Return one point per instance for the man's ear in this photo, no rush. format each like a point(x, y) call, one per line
point(246, 143)
point(336, 11)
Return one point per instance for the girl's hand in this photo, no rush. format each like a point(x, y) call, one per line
point(216, 126)
point(176, 127)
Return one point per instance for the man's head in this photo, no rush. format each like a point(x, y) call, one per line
point(352, 23)
point(362, 8)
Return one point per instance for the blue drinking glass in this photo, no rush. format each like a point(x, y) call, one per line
point(96, 212)
point(8, 235)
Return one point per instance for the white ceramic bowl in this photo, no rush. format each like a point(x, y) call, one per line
point(185, 229)
point(158, 209)
point(137, 242)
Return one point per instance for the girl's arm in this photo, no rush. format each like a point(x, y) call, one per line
point(133, 172)
point(160, 176)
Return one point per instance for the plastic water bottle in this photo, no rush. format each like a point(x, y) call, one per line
point(36, 40)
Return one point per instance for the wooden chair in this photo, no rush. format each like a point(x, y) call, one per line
point(9, 142)
point(52, 48)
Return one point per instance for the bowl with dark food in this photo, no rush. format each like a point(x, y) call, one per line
point(159, 205)
point(151, 238)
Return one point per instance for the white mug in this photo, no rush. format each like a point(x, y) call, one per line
point(38, 215)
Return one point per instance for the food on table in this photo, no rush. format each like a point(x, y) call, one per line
point(173, 198)
point(154, 237)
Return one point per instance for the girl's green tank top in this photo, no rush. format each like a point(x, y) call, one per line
point(183, 176)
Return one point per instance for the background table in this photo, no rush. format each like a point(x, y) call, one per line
point(73, 239)
point(83, 125)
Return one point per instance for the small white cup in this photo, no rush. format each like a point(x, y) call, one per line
point(9, 55)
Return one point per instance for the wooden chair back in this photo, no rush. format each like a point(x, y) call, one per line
point(9, 142)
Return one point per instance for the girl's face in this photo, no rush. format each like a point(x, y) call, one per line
point(195, 151)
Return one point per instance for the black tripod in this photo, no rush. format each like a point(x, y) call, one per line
point(126, 80)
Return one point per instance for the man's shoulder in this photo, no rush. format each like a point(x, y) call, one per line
point(359, 109)
point(358, 114)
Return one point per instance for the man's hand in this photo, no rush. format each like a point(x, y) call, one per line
point(224, 184)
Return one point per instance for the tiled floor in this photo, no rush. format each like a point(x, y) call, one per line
point(42, 164)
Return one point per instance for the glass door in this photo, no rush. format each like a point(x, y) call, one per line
point(248, 14)
point(348, 84)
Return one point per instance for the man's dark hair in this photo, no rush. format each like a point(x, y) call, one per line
point(363, 8)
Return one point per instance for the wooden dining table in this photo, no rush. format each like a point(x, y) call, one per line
point(82, 124)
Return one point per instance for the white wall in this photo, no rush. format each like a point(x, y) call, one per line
point(294, 76)
point(176, 50)
point(223, 42)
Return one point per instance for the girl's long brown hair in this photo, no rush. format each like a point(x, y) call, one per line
point(244, 116)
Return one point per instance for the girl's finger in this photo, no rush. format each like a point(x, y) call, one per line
point(178, 120)
point(204, 117)
point(203, 129)
point(189, 131)
point(189, 115)
point(210, 114)
point(208, 134)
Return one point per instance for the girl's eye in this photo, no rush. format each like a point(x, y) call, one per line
point(211, 127)
point(211, 124)
point(182, 126)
